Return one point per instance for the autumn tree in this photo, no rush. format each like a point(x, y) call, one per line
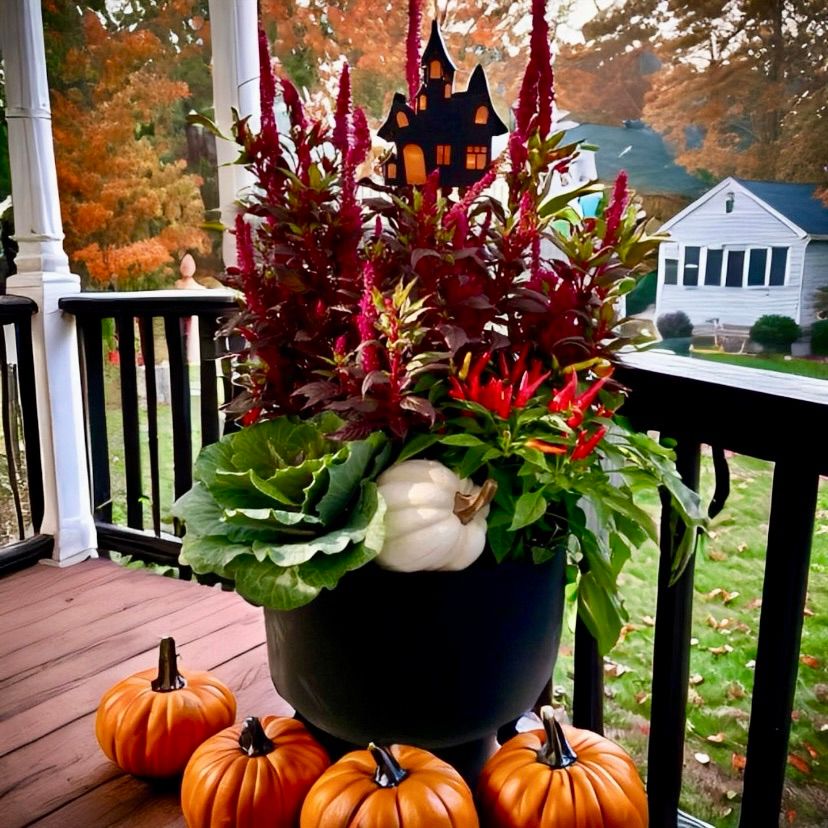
point(129, 205)
point(309, 38)
point(743, 84)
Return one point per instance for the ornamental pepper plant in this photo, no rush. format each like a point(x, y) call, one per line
point(469, 327)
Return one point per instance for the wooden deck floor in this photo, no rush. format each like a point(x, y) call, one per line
point(65, 637)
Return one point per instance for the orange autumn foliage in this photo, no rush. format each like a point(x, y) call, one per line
point(129, 206)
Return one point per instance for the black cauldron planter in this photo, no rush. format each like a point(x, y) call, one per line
point(439, 660)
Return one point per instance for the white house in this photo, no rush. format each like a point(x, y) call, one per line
point(745, 249)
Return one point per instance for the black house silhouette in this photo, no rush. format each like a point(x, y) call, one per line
point(448, 131)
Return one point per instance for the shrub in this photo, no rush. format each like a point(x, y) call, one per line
point(819, 338)
point(675, 325)
point(775, 333)
point(642, 295)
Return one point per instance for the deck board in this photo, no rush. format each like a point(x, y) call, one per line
point(87, 627)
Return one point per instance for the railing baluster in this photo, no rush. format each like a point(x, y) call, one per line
point(588, 694)
point(180, 400)
point(148, 352)
point(208, 353)
point(129, 420)
point(28, 409)
point(9, 435)
point(92, 356)
point(793, 505)
point(671, 663)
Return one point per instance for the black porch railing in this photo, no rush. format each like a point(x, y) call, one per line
point(143, 323)
point(21, 438)
point(682, 400)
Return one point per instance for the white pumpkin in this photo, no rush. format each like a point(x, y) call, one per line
point(433, 519)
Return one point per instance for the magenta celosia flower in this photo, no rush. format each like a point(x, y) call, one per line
point(616, 208)
point(296, 111)
point(342, 115)
point(267, 85)
point(367, 318)
point(412, 49)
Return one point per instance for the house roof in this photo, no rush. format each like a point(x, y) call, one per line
point(643, 154)
point(797, 202)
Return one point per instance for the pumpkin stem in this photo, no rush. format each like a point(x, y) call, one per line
point(253, 740)
point(389, 773)
point(467, 506)
point(557, 752)
point(168, 678)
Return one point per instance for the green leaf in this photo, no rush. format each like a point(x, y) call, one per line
point(416, 445)
point(468, 440)
point(601, 611)
point(211, 554)
point(530, 506)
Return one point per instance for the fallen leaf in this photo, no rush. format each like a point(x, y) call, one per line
point(615, 670)
point(795, 714)
point(702, 758)
point(738, 761)
point(716, 738)
point(810, 661)
point(790, 816)
point(821, 693)
point(736, 690)
point(823, 728)
point(811, 749)
point(727, 812)
point(696, 679)
point(742, 547)
point(648, 620)
point(627, 629)
point(756, 603)
point(694, 698)
point(609, 692)
point(799, 763)
point(808, 612)
point(694, 642)
point(716, 555)
point(642, 696)
point(564, 650)
point(725, 648)
point(714, 593)
point(730, 596)
point(731, 795)
point(750, 664)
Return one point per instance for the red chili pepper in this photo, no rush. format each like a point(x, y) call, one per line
point(545, 447)
point(584, 446)
point(566, 396)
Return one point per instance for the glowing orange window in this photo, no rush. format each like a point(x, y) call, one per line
point(476, 157)
point(434, 69)
point(482, 115)
point(414, 164)
point(392, 170)
point(402, 119)
point(423, 103)
point(443, 155)
point(447, 90)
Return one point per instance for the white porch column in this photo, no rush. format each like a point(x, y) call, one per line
point(234, 32)
point(43, 275)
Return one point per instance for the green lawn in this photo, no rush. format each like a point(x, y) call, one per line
point(770, 362)
point(725, 625)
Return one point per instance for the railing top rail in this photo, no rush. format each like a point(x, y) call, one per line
point(746, 410)
point(14, 308)
point(759, 380)
point(150, 303)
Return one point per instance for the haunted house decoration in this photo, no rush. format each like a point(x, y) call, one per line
point(445, 130)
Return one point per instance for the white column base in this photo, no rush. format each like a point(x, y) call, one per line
point(86, 555)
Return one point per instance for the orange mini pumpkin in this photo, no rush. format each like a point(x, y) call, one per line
point(149, 724)
point(400, 786)
point(561, 777)
point(253, 775)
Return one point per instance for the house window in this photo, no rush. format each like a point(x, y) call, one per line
point(391, 171)
point(447, 90)
point(735, 266)
point(476, 157)
point(482, 115)
point(691, 266)
point(757, 265)
point(443, 155)
point(671, 271)
point(713, 268)
point(423, 103)
point(402, 119)
point(778, 266)
point(729, 202)
point(435, 70)
point(414, 164)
